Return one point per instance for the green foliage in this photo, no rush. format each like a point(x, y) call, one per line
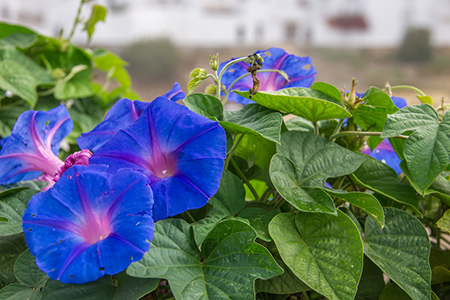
point(416, 46)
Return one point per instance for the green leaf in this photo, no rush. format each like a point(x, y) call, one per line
point(205, 105)
point(231, 261)
point(198, 76)
point(440, 188)
point(425, 99)
point(299, 124)
point(19, 40)
point(7, 29)
point(328, 89)
point(16, 78)
point(12, 205)
point(371, 284)
point(440, 266)
point(379, 177)
point(98, 14)
point(76, 87)
point(401, 249)
point(320, 249)
point(11, 247)
point(227, 202)
point(316, 158)
point(105, 60)
point(393, 291)
point(259, 220)
point(284, 177)
point(254, 119)
point(118, 287)
point(286, 283)
point(307, 103)
point(17, 291)
point(27, 272)
point(366, 202)
point(444, 222)
point(373, 111)
point(427, 150)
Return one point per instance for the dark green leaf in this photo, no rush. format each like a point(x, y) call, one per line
point(371, 284)
point(231, 261)
point(16, 78)
point(11, 247)
point(27, 272)
point(205, 105)
point(401, 249)
point(307, 103)
point(124, 287)
point(254, 119)
point(259, 220)
point(440, 188)
point(98, 14)
point(17, 291)
point(12, 206)
point(427, 150)
point(444, 222)
point(320, 249)
point(379, 177)
point(440, 266)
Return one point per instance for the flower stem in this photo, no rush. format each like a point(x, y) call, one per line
point(407, 87)
point(279, 203)
point(231, 152)
point(223, 70)
point(363, 133)
point(76, 21)
point(316, 128)
point(189, 216)
point(337, 129)
point(244, 178)
point(265, 196)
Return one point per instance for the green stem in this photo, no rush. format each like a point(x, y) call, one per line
point(190, 217)
point(363, 133)
point(244, 178)
point(337, 129)
point(305, 295)
point(265, 196)
point(247, 74)
point(231, 152)
point(279, 203)
point(407, 87)
point(316, 128)
point(76, 21)
point(223, 70)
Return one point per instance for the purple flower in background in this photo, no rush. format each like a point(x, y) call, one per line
point(181, 152)
point(299, 69)
point(384, 151)
point(33, 146)
point(90, 223)
point(122, 114)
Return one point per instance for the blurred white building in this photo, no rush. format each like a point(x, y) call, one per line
point(216, 23)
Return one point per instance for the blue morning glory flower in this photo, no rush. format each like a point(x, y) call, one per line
point(122, 114)
point(90, 223)
point(33, 146)
point(181, 152)
point(384, 151)
point(299, 69)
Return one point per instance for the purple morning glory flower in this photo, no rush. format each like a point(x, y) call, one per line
point(181, 152)
point(299, 69)
point(384, 151)
point(91, 223)
point(33, 146)
point(122, 114)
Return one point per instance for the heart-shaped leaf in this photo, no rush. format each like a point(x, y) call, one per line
point(320, 249)
point(401, 249)
point(227, 267)
point(444, 222)
point(27, 272)
point(307, 103)
point(205, 105)
point(427, 150)
point(259, 220)
point(11, 247)
point(15, 78)
point(372, 283)
point(328, 89)
point(17, 291)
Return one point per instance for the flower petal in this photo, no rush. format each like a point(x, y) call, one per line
point(299, 69)
point(85, 226)
point(166, 143)
point(386, 154)
point(176, 93)
point(33, 146)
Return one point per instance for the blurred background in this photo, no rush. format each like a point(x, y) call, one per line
point(399, 41)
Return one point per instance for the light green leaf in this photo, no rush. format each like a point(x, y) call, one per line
point(425, 99)
point(105, 60)
point(27, 272)
point(231, 261)
point(254, 119)
point(205, 105)
point(16, 78)
point(379, 177)
point(444, 222)
point(124, 287)
point(299, 124)
point(427, 150)
point(316, 158)
point(371, 284)
point(98, 14)
point(198, 76)
point(324, 251)
point(307, 103)
point(11, 247)
point(366, 202)
point(284, 177)
point(328, 89)
point(286, 283)
point(19, 40)
point(17, 291)
point(76, 87)
point(374, 109)
point(401, 249)
point(12, 205)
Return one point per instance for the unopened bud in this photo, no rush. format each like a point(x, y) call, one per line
point(214, 62)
